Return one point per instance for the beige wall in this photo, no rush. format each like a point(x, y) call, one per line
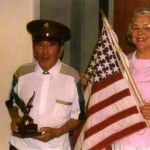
point(15, 49)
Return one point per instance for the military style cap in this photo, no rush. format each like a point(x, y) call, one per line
point(48, 30)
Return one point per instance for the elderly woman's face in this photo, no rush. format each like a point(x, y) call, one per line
point(140, 32)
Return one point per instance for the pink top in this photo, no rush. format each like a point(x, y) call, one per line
point(140, 70)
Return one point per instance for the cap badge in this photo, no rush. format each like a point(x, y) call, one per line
point(46, 25)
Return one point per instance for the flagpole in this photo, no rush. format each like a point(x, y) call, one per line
point(120, 53)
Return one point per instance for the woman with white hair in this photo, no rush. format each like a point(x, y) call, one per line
point(138, 35)
point(139, 64)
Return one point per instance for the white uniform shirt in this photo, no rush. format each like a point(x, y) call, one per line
point(55, 102)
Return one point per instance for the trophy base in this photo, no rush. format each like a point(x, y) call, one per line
point(26, 135)
point(26, 131)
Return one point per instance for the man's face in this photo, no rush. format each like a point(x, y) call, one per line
point(47, 53)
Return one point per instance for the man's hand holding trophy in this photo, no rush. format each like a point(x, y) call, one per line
point(26, 128)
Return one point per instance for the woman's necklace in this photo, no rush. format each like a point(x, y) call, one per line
point(140, 63)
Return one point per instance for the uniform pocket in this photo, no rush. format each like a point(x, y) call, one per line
point(62, 111)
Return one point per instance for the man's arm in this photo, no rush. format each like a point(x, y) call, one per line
point(13, 112)
point(50, 133)
point(69, 126)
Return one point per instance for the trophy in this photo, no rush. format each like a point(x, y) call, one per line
point(26, 128)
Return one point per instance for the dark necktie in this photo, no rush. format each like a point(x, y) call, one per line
point(45, 72)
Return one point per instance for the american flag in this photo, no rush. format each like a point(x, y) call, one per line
point(112, 112)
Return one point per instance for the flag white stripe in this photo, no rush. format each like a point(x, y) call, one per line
point(109, 111)
point(108, 91)
point(114, 128)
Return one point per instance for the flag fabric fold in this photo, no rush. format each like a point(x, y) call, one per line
point(111, 109)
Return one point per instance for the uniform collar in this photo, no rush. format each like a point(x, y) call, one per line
point(54, 71)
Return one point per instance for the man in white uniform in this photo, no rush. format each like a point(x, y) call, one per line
point(58, 104)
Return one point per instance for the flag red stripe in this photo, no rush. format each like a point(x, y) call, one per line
point(114, 118)
point(110, 100)
point(110, 80)
point(127, 131)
